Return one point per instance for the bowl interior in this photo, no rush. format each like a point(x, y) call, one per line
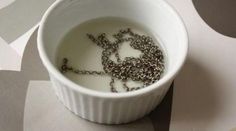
point(155, 15)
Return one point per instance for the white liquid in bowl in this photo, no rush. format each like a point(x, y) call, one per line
point(83, 54)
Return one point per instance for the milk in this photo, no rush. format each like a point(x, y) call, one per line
point(83, 54)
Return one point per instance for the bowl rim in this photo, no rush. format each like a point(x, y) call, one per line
point(70, 84)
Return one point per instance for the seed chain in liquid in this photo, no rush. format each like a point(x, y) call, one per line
point(147, 68)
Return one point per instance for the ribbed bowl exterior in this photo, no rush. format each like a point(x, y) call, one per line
point(105, 110)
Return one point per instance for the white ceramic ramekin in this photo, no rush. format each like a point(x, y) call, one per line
point(112, 108)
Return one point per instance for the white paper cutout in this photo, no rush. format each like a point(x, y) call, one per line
point(43, 112)
point(5, 3)
point(20, 43)
point(9, 59)
point(204, 94)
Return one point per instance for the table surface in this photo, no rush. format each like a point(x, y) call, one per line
point(202, 97)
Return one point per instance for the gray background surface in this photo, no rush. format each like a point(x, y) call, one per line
point(21, 15)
